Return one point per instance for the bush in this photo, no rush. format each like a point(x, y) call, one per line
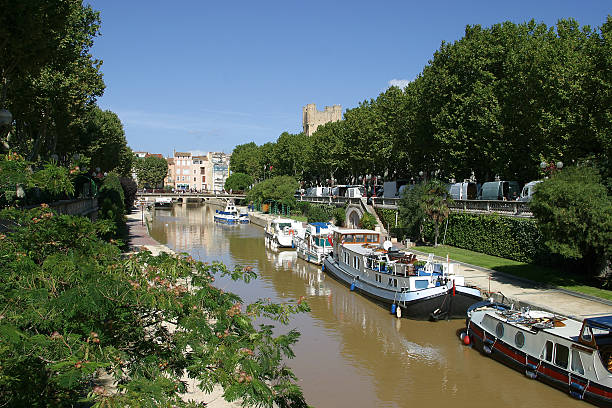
point(319, 213)
point(367, 221)
point(493, 234)
point(387, 217)
point(111, 201)
point(130, 188)
point(339, 214)
point(72, 305)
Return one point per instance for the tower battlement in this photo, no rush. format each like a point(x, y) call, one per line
point(313, 118)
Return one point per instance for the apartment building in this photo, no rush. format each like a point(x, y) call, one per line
point(190, 172)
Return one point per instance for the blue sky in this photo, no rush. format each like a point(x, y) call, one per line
point(208, 75)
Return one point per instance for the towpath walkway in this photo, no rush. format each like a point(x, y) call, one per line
point(523, 292)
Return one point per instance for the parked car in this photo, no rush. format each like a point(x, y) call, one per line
point(499, 190)
point(528, 190)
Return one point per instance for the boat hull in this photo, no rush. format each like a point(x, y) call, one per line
point(226, 220)
point(540, 370)
point(441, 302)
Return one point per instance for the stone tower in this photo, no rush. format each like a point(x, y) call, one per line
point(313, 118)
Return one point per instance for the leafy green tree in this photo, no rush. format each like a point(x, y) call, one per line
point(31, 32)
point(280, 188)
point(573, 210)
point(238, 182)
point(130, 189)
point(410, 211)
point(150, 171)
point(48, 106)
point(73, 308)
point(246, 158)
point(104, 139)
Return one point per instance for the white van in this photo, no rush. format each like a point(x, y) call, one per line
point(528, 190)
point(356, 192)
point(463, 191)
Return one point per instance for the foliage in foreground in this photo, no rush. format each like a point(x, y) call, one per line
point(74, 307)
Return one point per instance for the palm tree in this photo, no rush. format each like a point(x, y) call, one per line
point(434, 202)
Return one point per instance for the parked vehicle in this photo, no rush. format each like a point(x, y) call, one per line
point(394, 189)
point(356, 192)
point(340, 190)
point(528, 190)
point(467, 190)
point(499, 190)
point(573, 356)
point(318, 192)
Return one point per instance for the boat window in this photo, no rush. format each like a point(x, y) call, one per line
point(519, 339)
point(561, 355)
point(359, 238)
point(346, 258)
point(499, 330)
point(371, 238)
point(576, 362)
point(356, 262)
point(548, 351)
point(586, 334)
point(395, 282)
point(348, 238)
point(421, 284)
point(283, 225)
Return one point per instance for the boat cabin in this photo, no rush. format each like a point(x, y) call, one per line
point(596, 333)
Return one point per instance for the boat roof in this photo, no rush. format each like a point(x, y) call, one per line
point(357, 231)
point(601, 322)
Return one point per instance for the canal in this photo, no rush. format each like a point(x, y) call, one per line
point(352, 352)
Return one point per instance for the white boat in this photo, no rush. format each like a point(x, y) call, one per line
point(573, 356)
point(230, 215)
point(279, 233)
point(389, 276)
point(316, 242)
point(163, 202)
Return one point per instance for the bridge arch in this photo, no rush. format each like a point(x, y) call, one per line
point(353, 215)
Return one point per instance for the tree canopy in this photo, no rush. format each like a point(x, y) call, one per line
point(574, 212)
point(150, 170)
point(238, 182)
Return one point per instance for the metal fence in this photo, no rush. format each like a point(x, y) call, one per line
point(510, 208)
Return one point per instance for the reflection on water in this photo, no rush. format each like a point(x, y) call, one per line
point(352, 352)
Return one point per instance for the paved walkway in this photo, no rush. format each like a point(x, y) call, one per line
point(523, 292)
point(138, 234)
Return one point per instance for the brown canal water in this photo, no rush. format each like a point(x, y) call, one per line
point(353, 352)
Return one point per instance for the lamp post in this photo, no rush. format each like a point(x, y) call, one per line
point(551, 168)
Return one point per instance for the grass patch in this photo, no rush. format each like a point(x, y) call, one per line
point(536, 273)
point(302, 218)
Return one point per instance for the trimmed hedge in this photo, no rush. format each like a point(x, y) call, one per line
point(492, 234)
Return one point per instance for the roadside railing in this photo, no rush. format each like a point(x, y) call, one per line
point(510, 208)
